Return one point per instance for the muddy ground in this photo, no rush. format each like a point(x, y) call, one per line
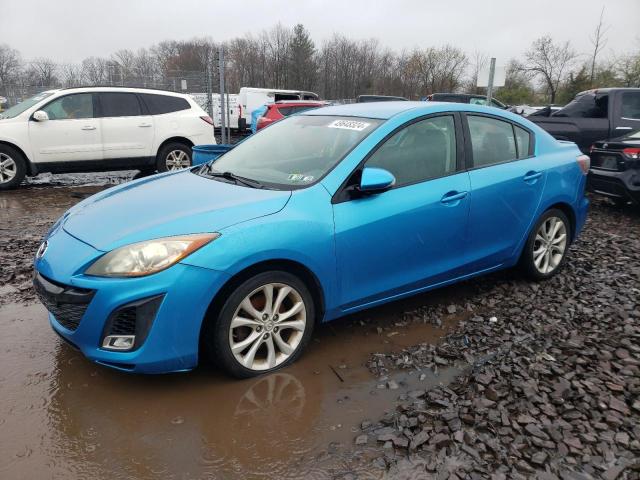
point(491, 378)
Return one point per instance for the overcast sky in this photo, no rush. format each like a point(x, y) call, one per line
point(70, 30)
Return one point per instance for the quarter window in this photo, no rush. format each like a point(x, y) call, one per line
point(492, 141)
point(523, 141)
point(420, 151)
point(117, 104)
point(159, 104)
point(71, 107)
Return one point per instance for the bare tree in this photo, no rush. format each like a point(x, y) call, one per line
point(599, 41)
point(10, 63)
point(95, 71)
point(70, 75)
point(549, 62)
point(42, 72)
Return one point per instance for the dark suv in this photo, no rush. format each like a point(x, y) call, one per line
point(464, 98)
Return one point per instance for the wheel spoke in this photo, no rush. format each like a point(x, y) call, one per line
point(294, 324)
point(244, 322)
point(282, 345)
point(267, 290)
point(242, 345)
point(538, 251)
point(271, 352)
point(538, 260)
point(540, 238)
point(248, 307)
point(297, 308)
point(282, 294)
point(559, 239)
point(251, 354)
point(545, 265)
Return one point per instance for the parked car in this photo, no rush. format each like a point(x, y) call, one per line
point(232, 107)
point(251, 98)
point(279, 110)
point(379, 98)
point(594, 115)
point(96, 129)
point(615, 168)
point(464, 98)
point(322, 214)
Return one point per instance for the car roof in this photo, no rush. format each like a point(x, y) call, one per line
point(386, 110)
point(298, 103)
point(110, 88)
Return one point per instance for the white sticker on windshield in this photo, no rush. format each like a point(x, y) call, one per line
point(349, 125)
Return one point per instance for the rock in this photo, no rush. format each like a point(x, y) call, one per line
point(362, 439)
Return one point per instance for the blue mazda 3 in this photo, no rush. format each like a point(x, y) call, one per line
point(321, 214)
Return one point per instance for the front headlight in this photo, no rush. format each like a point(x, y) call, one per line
point(145, 258)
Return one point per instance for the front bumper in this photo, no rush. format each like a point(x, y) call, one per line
point(172, 339)
point(624, 185)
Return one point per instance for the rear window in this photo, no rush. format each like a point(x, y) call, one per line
point(159, 104)
point(587, 105)
point(117, 104)
point(286, 111)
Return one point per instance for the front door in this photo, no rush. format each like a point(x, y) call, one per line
point(72, 133)
point(413, 235)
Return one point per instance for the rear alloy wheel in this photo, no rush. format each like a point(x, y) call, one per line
point(547, 245)
point(174, 156)
point(265, 324)
point(12, 168)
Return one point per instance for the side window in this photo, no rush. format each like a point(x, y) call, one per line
point(492, 141)
point(631, 105)
point(159, 104)
point(116, 104)
point(285, 111)
point(71, 107)
point(523, 141)
point(478, 101)
point(423, 150)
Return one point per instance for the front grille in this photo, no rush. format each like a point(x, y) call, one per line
point(125, 322)
point(67, 304)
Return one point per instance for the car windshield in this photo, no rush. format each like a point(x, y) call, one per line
point(24, 105)
point(297, 151)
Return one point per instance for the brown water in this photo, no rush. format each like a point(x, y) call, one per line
point(64, 417)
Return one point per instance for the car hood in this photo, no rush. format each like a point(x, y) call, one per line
point(165, 205)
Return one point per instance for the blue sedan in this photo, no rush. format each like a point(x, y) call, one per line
point(320, 215)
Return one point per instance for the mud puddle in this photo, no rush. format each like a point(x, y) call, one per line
point(64, 417)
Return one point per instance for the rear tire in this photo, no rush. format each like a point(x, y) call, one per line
point(545, 251)
point(13, 167)
point(255, 331)
point(173, 156)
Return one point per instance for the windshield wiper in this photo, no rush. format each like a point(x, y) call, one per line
point(233, 177)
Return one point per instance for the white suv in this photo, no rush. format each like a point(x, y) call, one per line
point(100, 129)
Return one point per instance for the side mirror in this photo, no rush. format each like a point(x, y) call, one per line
point(40, 116)
point(376, 180)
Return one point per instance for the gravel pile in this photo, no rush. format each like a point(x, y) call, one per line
point(551, 382)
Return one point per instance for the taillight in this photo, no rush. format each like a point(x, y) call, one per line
point(207, 119)
point(584, 162)
point(632, 153)
point(592, 148)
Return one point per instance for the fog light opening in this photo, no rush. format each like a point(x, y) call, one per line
point(119, 342)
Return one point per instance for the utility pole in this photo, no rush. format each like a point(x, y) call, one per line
point(492, 72)
point(209, 97)
point(222, 102)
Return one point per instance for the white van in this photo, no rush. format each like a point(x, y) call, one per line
point(252, 98)
point(232, 105)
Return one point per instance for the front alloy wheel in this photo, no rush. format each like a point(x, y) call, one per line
point(8, 168)
point(267, 326)
point(264, 324)
point(177, 160)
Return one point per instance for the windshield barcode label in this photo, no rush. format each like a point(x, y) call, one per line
point(349, 125)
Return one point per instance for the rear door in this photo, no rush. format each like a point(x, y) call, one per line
point(127, 129)
point(71, 134)
point(507, 181)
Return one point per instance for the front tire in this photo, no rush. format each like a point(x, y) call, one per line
point(13, 167)
point(547, 245)
point(173, 156)
point(264, 325)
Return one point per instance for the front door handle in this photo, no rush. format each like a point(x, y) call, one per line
point(452, 198)
point(144, 125)
point(623, 128)
point(532, 176)
point(88, 127)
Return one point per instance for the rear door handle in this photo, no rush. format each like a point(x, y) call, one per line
point(623, 128)
point(88, 127)
point(452, 197)
point(531, 176)
point(144, 125)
